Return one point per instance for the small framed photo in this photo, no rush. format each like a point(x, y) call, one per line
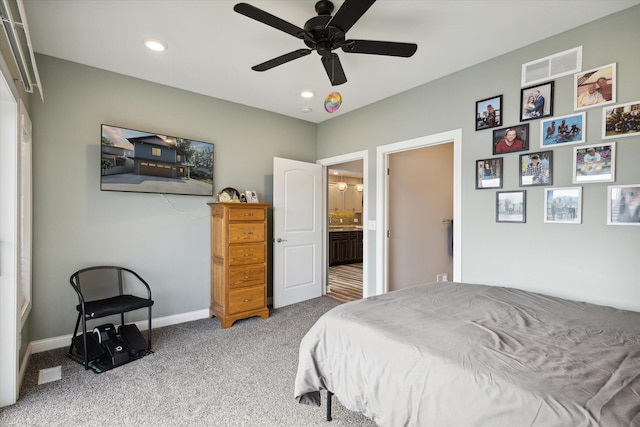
point(511, 206)
point(536, 101)
point(563, 205)
point(252, 196)
point(594, 163)
point(489, 173)
point(536, 168)
point(621, 120)
point(623, 205)
point(511, 139)
point(489, 113)
point(563, 130)
point(594, 87)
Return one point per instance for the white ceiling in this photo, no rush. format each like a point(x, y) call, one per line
point(212, 48)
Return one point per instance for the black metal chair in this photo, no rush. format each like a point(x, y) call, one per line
point(101, 293)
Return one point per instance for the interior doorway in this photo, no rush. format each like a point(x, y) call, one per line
point(345, 262)
point(345, 189)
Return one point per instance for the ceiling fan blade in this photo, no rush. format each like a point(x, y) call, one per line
point(349, 13)
point(267, 65)
point(268, 19)
point(334, 69)
point(374, 47)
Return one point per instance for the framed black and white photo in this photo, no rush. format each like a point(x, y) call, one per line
point(594, 163)
point(511, 206)
point(536, 168)
point(511, 139)
point(621, 120)
point(563, 205)
point(563, 130)
point(489, 173)
point(536, 101)
point(252, 196)
point(489, 113)
point(623, 205)
point(595, 87)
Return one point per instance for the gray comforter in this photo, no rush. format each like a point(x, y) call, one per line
point(451, 354)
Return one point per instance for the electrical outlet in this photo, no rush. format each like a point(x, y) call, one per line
point(442, 277)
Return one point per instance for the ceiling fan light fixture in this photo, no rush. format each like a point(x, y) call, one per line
point(155, 45)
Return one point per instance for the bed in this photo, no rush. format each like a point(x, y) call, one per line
point(453, 354)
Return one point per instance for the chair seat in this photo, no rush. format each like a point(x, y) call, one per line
point(114, 305)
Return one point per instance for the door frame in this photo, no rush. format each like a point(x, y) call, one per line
point(325, 163)
point(382, 196)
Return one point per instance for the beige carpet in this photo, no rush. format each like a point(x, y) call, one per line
point(345, 282)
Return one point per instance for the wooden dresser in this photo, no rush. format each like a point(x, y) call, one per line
point(238, 261)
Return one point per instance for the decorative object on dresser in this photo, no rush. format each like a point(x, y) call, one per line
point(238, 261)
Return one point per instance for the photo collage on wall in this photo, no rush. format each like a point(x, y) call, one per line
point(594, 162)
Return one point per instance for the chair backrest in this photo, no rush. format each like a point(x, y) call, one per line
point(100, 282)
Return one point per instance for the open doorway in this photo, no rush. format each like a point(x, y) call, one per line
point(345, 188)
point(346, 226)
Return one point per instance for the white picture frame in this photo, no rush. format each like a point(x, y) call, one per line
point(614, 124)
point(582, 82)
point(623, 204)
point(604, 172)
point(252, 196)
point(563, 130)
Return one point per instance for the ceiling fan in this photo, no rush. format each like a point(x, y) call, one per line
point(324, 34)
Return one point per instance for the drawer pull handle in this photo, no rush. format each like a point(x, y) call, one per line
point(247, 300)
point(247, 255)
point(248, 214)
point(248, 232)
point(247, 277)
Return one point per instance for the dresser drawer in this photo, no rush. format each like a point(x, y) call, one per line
point(244, 214)
point(246, 254)
point(246, 232)
point(246, 299)
point(241, 277)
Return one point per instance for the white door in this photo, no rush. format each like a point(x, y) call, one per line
point(297, 231)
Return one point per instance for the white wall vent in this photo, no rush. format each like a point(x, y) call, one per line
point(550, 67)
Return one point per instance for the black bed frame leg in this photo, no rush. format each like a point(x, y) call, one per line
point(329, 394)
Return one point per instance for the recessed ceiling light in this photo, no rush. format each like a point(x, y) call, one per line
point(307, 94)
point(307, 109)
point(155, 45)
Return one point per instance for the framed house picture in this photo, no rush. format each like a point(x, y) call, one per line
point(621, 120)
point(511, 206)
point(563, 205)
point(623, 205)
point(594, 87)
point(489, 113)
point(511, 139)
point(563, 130)
point(536, 101)
point(594, 163)
point(536, 168)
point(489, 173)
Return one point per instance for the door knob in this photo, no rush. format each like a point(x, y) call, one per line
point(279, 240)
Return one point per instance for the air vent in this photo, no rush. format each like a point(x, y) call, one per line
point(550, 67)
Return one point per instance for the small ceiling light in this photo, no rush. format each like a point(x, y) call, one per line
point(155, 45)
point(307, 94)
point(307, 109)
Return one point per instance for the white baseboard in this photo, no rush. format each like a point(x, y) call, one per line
point(23, 365)
point(65, 340)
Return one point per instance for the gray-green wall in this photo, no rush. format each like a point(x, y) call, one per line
point(589, 262)
point(166, 238)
